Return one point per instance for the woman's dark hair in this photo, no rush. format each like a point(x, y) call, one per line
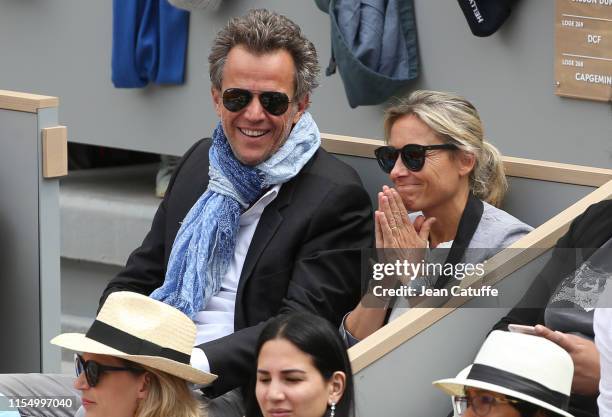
point(316, 337)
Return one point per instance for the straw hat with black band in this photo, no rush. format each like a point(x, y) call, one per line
point(528, 368)
point(137, 328)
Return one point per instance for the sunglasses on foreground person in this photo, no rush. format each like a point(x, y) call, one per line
point(513, 375)
point(302, 370)
point(450, 180)
point(134, 360)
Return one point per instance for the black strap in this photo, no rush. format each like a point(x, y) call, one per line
point(518, 383)
point(331, 67)
point(130, 344)
point(465, 231)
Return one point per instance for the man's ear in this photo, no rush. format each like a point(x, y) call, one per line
point(466, 162)
point(302, 105)
point(336, 387)
point(216, 98)
point(144, 385)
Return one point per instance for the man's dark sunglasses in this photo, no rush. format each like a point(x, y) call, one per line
point(413, 156)
point(93, 370)
point(274, 102)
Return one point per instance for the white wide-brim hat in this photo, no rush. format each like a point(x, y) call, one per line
point(525, 367)
point(143, 330)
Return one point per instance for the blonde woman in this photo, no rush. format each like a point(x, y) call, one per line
point(134, 360)
point(450, 179)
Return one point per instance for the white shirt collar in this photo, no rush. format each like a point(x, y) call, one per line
point(253, 213)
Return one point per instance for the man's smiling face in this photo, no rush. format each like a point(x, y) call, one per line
point(253, 133)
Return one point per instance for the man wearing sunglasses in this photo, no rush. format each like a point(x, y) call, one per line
point(258, 220)
point(276, 222)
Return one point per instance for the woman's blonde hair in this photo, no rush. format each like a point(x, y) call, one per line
point(168, 395)
point(456, 120)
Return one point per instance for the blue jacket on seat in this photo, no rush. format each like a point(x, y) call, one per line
point(374, 46)
point(149, 43)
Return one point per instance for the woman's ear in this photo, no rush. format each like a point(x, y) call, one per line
point(144, 385)
point(336, 386)
point(466, 162)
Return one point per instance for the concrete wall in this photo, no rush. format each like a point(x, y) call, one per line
point(62, 48)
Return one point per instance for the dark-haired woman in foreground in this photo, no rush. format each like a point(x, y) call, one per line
point(302, 370)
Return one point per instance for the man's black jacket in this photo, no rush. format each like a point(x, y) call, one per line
point(304, 255)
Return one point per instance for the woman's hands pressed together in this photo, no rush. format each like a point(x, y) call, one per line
point(394, 230)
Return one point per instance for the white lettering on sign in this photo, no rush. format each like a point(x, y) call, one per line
point(594, 78)
point(606, 2)
point(572, 23)
point(572, 63)
point(585, 1)
point(594, 39)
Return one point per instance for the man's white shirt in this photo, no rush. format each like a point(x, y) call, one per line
point(217, 319)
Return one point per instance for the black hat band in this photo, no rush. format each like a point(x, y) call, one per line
point(518, 383)
point(130, 344)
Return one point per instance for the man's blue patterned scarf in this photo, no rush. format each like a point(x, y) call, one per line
point(205, 242)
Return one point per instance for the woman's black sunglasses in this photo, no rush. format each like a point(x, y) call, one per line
point(274, 102)
point(93, 369)
point(413, 156)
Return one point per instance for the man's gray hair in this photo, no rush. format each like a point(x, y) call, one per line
point(261, 31)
